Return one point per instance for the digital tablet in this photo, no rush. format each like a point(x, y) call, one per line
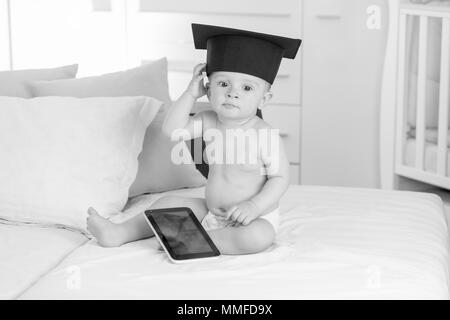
point(181, 234)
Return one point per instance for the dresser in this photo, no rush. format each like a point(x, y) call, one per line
point(343, 57)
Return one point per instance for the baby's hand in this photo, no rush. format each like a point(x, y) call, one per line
point(196, 87)
point(243, 213)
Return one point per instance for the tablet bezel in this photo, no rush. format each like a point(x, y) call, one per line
point(186, 257)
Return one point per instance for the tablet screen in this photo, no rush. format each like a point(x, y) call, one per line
point(181, 233)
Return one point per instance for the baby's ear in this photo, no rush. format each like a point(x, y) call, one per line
point(266, 98)
point(207, 86)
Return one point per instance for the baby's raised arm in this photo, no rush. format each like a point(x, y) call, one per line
point(178, 114)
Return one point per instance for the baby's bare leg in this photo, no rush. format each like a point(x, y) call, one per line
point(109, 234)
point(252, 238)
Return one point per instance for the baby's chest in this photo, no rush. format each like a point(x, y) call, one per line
point(237, 152)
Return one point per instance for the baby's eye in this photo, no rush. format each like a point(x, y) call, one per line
point(248, 88)
point(223, 84)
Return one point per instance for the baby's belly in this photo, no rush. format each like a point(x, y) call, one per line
point(225, 190)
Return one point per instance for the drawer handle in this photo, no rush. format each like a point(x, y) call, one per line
point(283, 134)
point(328, 16)
point(101, 5)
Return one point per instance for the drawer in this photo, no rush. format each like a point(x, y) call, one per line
point(286, 87)
point(279, 8)
point(287, 120)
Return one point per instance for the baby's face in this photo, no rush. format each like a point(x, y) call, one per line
point(236, 96)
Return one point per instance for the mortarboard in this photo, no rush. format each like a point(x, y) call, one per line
point(235, 50)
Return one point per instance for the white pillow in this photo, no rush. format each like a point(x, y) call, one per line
point(157, 172)
point(16, 83)
point(60, 155)
point(147, 80)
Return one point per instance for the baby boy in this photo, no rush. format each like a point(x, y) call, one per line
point(248, 167)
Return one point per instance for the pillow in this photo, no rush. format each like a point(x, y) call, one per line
point(58, 156)
point(156, 172)
point(15, 83)
point(147, 80)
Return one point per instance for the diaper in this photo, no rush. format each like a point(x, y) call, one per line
point(212, 222)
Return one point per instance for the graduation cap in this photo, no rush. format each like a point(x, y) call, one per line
point(235, 50)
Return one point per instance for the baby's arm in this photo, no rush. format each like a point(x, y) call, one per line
point(276, 185)
point(178, 114)
point(272, 191)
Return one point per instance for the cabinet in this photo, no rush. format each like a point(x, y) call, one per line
point(287, 119)
point(342, 65)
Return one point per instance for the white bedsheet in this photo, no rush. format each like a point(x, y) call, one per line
point(333, 243)
point(28, 252)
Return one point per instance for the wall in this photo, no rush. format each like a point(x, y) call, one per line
point(49, 33)
point(4, 36)
point(342, 68)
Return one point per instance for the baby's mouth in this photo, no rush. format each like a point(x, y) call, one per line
point(229, 106)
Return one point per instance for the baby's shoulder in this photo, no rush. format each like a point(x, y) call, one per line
point(208, 113)
point(265, 131)
point(261, 124)
point(209, 118)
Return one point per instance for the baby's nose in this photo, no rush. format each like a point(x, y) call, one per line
point(232, 94)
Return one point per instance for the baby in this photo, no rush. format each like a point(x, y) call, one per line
point(240, 209)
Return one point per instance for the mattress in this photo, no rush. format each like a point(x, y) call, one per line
point(333, 243)
point(28, 252)
point(430, 159)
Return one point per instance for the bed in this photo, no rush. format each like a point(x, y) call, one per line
point(97, 142)
point(28, 252)
point(333, 243)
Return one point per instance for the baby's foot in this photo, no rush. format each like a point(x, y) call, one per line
point(108, 234)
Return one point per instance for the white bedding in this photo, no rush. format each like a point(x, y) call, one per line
point(28, 252)
point(333, 243)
